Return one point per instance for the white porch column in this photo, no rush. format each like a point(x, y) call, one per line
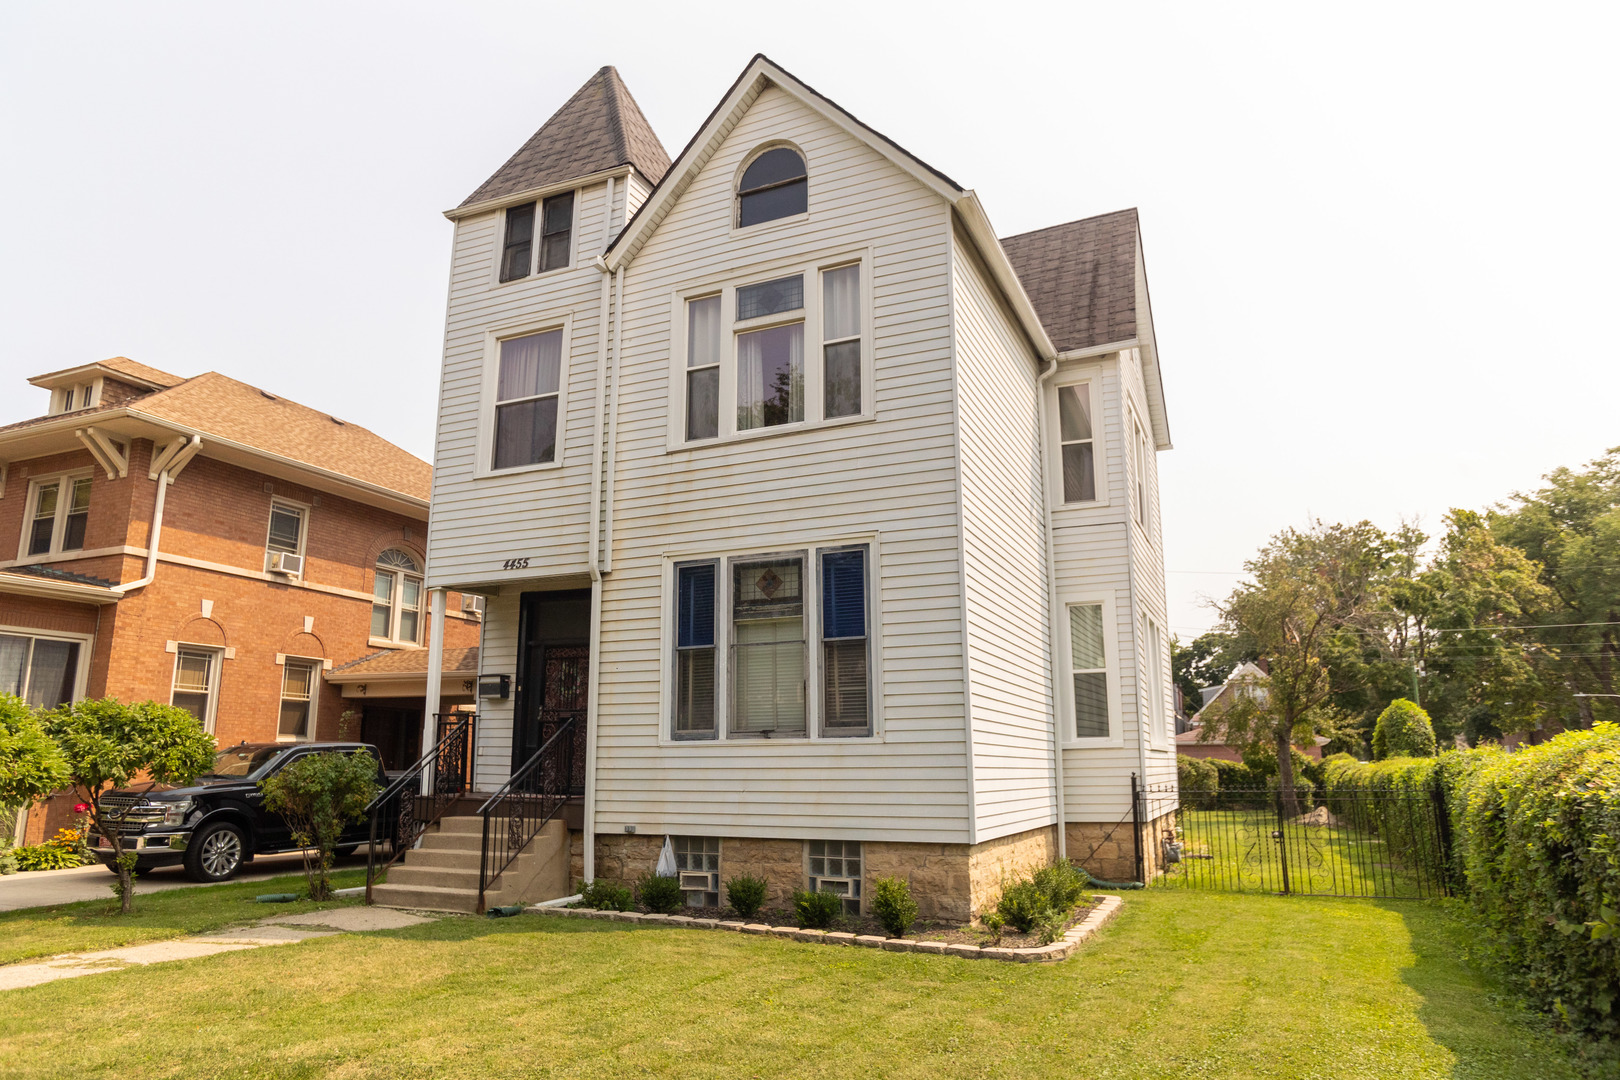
point(435, 671)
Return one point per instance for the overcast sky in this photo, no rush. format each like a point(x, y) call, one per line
point(1380, 239)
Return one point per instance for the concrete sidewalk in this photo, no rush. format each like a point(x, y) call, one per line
point(41, 888)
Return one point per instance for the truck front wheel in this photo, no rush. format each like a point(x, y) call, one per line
point(216, 852)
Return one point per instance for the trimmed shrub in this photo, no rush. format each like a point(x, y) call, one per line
point(605, 896)
point(817, 910)
point(1198, 780)
point(893, 905)
point(660, 894)
point(1403, 730)
point(746, 894)
point(1052, 891)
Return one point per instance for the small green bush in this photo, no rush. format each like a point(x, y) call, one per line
point(606, 896)
point(1049, 893)
point(320, 795)
point(1061, 885)
point(817, 910)
point(994, 924)
point(1403, 730)
point(746, 894)
point(8, 860)
point(48, 856)
point(1197, 773)
point(660, 894)
point(893, 905)
point(1050, 926)
point(1020, 905)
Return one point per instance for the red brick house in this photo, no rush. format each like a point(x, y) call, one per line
point(204, 542)
point(1246, 679)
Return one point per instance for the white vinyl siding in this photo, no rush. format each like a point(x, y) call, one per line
point(1004, 561)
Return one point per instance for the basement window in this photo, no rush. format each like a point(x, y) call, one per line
point(697, 862)
point(835, 867)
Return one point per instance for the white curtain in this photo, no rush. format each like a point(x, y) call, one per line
point(51, 672)
point(13, 662)
point(841, 305)
point(530, 365)
point(770, 377)
point(703, 332)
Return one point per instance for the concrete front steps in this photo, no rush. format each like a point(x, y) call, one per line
point(442, 874)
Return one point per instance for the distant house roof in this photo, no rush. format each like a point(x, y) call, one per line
point(403, 662)
point(1081, 277)
point(601, 127)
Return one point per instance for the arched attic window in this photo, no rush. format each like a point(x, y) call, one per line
point(774, 186)
point(396, 604)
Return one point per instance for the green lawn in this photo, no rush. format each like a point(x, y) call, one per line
point(95, 924)
point(1181, 984)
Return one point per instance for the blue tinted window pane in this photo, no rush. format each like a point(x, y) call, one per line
point(843, 594)
point(694, 616)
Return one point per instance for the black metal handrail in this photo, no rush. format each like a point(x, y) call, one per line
point(525, 804)
point(444, 771)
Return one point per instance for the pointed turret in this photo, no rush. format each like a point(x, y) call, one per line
point(600, 128)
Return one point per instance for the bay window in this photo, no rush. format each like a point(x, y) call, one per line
point(528, 385)
point(792, 621)
point(791, 349)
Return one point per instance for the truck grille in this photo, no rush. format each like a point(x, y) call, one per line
point(127, 812)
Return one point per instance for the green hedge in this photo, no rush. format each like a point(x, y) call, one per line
point(1536, 841)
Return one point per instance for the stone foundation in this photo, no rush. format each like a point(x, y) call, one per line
point(949, 881)
point(1108, 850)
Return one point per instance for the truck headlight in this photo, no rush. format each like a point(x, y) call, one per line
point(175, 813)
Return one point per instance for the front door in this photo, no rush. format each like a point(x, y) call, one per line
point(553, 675)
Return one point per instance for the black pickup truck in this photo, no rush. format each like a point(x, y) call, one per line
point(218, 822)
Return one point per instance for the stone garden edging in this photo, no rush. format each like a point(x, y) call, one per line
point(1105, 909)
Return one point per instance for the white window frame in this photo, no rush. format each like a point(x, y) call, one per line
point(484, 467)
point(302, 510)
point(86, 395)
point(730, 327)
point(81, 678)
point(1155, 682)
point(1065, 695)
point(1138, 478)
point(396, 601)
point(539, 201)
point(1093, 380)
point(738, 230)
point(64, 503)
point(216, 667)
point(724, 559)
point(317, 665)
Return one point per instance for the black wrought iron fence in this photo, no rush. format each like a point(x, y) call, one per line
point(419, 797)
point(1385, 844)
point(536, 793)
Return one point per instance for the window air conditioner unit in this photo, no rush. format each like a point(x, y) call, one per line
point(695, 881)
point(285, 562)
point(472, 604)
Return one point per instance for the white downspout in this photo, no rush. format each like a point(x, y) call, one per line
point(613, 417)
point(593, 679)
point(152, 540)
point(435, 672)
point(1053, 626)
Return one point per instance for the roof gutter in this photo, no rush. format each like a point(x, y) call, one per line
point(72, 591)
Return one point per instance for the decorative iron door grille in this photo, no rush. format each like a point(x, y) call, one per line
point(564, 693)
point(1389, 845)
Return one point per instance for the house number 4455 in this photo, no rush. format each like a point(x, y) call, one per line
point(516, 564)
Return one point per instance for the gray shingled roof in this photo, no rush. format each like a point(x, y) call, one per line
point(599, 128)
point(1081, 277)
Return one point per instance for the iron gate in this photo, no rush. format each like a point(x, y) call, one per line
point(1382, 844)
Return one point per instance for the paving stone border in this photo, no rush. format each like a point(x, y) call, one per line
point(1105, 909)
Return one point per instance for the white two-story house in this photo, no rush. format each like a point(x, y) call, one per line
point(829, 517)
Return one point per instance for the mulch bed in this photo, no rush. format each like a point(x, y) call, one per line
point(952, 933)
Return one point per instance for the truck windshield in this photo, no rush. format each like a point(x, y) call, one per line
point(245, 761)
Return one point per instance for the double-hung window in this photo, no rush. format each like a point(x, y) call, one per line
point(1088, 664)
point(1078, 443)
point(790, 349)
point(396, 604)
point(42, 671)
point(1139, 459)
point(196, 683)
point(1153, 682)
point(556, 216)
point(694, 651)
point(284, 542)
point(298, 683)
point(60, 510)
point(527, 388)
point(790, 658)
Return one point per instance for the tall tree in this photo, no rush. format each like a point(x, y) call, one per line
point(1205, 661)
point(1311, 592)
point(1571, 526)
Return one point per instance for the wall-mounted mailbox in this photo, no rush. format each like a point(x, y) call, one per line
point(495, 686)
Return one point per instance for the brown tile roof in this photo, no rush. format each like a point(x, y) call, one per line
point(1081, 277)
point(124, 365)
point(599, 128)
point(408, 662)
point(218, 405)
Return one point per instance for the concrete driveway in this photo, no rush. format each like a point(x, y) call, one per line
point(41, 888)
